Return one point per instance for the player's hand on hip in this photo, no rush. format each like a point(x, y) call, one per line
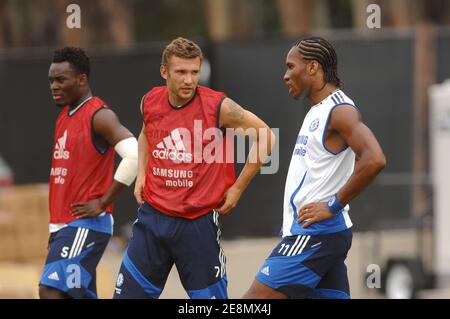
point(229, 200)
point(139, 189)
point(92, 208)
point(313, 213)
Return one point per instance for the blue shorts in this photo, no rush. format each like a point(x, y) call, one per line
point(309, 266)
point(160, 241)
point(74, 253)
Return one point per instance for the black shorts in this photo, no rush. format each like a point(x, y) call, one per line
point(160, 241)
point(308, 266)
point(74, 253)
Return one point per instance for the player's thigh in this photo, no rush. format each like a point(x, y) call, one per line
point(258, 290)
point(334, 284)
point(284, 270)
point(200, 259)
point(70, 267)
point(334, 279)
point(145, 266)
point(298, 263)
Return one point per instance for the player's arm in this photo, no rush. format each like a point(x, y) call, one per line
point(107, 125)
point(232, 115)
point(142, 161)
point(142, 166)
point(370, 160)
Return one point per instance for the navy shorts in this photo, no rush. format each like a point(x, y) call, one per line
point(158, 242)
point(309, 266)
point(74, 253)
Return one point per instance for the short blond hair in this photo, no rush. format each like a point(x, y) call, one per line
point(181, 48)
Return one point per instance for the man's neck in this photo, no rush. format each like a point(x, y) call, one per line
point(318, 95)
point(80, 100)
point(175, 100)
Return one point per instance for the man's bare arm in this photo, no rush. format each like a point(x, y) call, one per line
point(370, 160)
point(142, 166)
point(232, 115)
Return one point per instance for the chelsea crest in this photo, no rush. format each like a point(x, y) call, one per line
point(314, 125)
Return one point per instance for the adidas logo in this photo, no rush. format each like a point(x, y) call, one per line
point(53, 276)
point(172, 147)
point(60, 152)
point(265, 270)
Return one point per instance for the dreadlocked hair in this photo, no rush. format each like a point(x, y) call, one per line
point(316, 48)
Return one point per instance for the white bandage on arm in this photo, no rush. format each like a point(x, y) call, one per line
point(127, 170)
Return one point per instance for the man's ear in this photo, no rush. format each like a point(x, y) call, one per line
point(83, 80)
point(313, 67)
point(163, 70)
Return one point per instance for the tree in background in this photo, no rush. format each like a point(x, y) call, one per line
point(25, 23)
point(30, 23)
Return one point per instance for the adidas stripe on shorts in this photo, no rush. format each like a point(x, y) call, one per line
point(74, 253)
point(160, 241)
point(308, 266)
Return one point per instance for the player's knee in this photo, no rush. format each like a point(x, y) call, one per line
point(50, 293)
point(259, 290)
point(45, 292)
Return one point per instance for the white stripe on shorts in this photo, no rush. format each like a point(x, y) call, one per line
point(75, 242)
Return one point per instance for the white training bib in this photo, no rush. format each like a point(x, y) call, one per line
point(316, 173)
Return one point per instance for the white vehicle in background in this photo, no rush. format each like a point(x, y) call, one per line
point(414, 255)
point(6, 173)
